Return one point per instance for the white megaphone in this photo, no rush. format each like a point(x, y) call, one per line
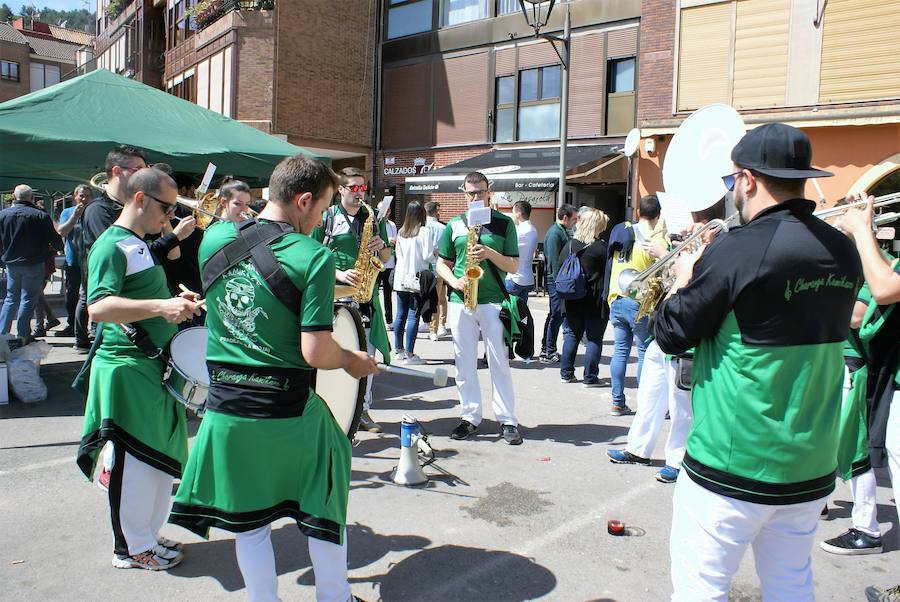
point(409, 471)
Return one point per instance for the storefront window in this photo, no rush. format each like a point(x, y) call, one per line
point(504, 7)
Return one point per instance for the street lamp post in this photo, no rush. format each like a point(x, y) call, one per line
point(537, 19)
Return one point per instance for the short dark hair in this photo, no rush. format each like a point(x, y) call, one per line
point(523, 208)
point(298, 174)
point(432, 208)
point(787, 187)
point(475, 177)
point(649, 206)
point(565, 210)
point(350, 172)
point(230, 187)
point(717, 211)
point(80, 187)
point(120, 156)
point(165, 168)
point(148, 180)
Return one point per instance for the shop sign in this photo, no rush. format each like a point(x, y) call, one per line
point(538, 200)
point(418, 167)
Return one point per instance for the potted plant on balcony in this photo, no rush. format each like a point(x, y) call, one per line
point(115, 8)
point(207, 11)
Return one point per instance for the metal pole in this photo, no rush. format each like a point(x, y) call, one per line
point(564, 110)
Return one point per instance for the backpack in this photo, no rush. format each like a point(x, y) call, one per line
point(570, 281)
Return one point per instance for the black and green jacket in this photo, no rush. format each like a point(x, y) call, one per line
point(768, 310)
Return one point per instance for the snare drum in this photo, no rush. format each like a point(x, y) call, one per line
point(187, 378)
point(344, 394)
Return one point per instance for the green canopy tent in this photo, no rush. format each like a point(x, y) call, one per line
point(58, 137)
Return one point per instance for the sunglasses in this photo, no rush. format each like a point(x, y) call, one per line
point(169, 208)
point(731, 179)
point(357, 188)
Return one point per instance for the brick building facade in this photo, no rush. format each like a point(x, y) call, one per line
point(474, 83)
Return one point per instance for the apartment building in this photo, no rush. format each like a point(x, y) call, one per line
point(829, 68)
point(464, 85)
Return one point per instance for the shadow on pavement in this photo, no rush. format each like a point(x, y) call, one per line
point(216, 559)
point(462, 573)
point(579, 435)
point(411, 404)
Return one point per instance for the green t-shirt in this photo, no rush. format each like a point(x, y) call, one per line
point(248, 325)
point(344, 243)
point(499, 234)
point(120, 265)
point(850, 350)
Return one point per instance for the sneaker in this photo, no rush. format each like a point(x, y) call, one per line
point(621, 456)
point(156, 558)
point(568, 379)
point(482, 363)
point(668, 474)
point(398, 355)
point(851, 543)
point(103, 480)
point(40, 331)
point(823, 515)
point(414, 360)
point(549, 358)
point(876, 594)
point(510, 434)
point(68, 331)
point(52, 324)
point(82, 347)
point(433, 336)
point(463, 431)
point(591, 384)
point(367, 424)
point(622, 410)
point(441, 331)
point(169, 544)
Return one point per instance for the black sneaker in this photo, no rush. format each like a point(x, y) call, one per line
point(620, 411)
point(68, 331)
point(851, 543)
point(40, 331)
point(510, 434)
point(568, 379)
point(463, 431)
point(550, 358)
point(621, 456)
point(876, 594)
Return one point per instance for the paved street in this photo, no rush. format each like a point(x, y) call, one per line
point(494, 522)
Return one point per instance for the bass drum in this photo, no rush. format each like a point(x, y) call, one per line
point(344, 394)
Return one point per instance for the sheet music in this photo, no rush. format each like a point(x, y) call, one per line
point(675, 213)
point(383, 207)
point(207, 178)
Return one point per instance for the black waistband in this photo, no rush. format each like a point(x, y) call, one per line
point(253, 392)
point(854, 363)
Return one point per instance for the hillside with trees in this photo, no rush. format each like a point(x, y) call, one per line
point(80, 19)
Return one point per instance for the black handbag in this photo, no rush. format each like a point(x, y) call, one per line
point(684, 365)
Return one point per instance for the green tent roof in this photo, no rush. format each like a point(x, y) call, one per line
point(58, 137)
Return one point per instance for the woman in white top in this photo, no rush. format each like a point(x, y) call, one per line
point(413, 251)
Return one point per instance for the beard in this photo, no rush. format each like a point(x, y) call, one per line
point(739, 202)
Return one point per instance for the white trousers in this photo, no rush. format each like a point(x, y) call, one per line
point(367, 400)
point(864, 514)
point(710, 533)
point(256, 559)
point(139, 502)
point(465, 327)
point(656, 393)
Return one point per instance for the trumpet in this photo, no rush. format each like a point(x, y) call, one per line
point(878, 219)
point(650, 285)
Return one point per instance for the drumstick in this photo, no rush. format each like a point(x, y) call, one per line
point(201, 303)
point(439, 378)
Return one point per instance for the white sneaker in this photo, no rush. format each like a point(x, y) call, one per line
point(397, 355)
point(441, 331)
point(432, 336)
point(414, 360)
point(156, 558)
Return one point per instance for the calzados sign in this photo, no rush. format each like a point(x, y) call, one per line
point(419, 167)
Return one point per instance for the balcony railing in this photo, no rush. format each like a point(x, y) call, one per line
point(208, 11)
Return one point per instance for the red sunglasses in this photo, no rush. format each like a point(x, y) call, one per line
point(357, 188)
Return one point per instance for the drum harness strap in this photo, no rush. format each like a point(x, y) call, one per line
point(253, 241)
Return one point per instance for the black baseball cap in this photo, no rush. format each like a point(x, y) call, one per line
point(777, 150)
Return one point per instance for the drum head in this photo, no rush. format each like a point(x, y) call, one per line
point(343, 393)
point(188, 352)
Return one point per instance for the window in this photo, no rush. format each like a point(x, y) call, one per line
point(213, 87)
point(9, 71)
point(504, 7)
point(621, 75)
point(43, 76)
point(505, 115)
point(406, 17)
point(180, 25)
point(535, 115)
point(184, 86)
point(455, 12)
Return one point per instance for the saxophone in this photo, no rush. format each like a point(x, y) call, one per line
point(367, 264)
point(472, 273)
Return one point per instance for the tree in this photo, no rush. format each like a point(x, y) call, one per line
point(5, 13)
